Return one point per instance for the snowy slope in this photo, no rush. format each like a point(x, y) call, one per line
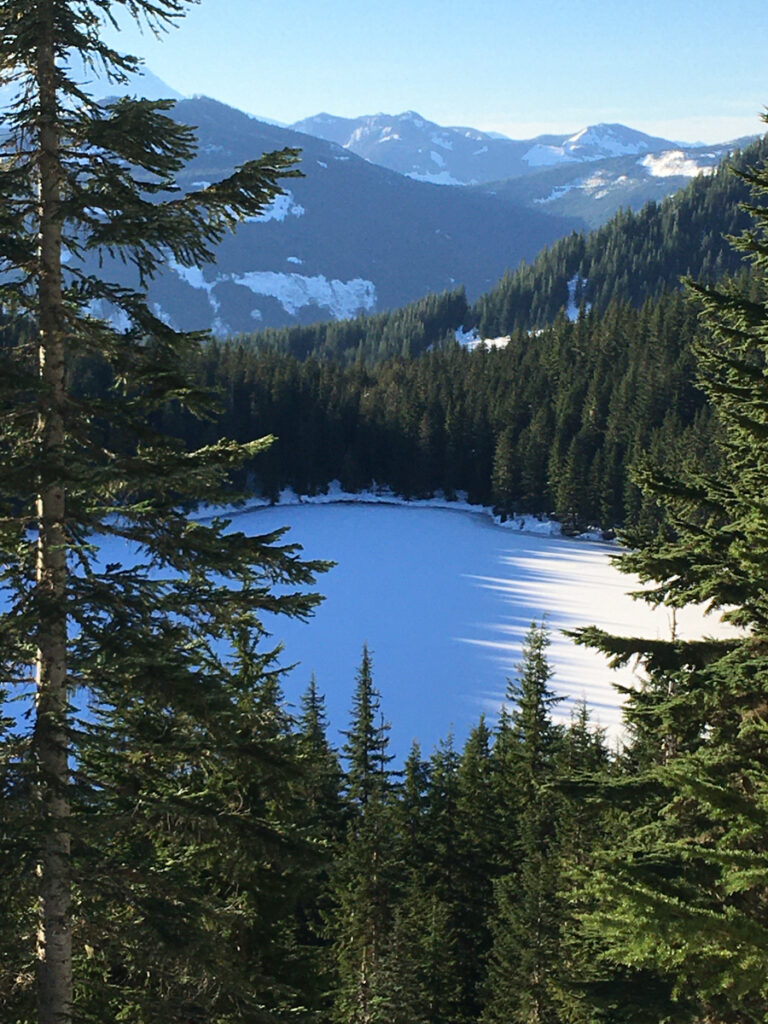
point(418, 148)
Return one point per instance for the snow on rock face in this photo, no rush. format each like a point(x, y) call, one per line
point(673, 163)
point(342, 299)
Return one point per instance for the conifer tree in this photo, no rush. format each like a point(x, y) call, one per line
point(682, 897)
point(523, 962)
point(320, 816)
point(365, 876)
point(139, 639)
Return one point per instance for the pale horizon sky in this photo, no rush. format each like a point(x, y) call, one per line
point(685, 70)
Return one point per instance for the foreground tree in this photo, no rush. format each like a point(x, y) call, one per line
point(682, 898)
point(523, 964)
point(139, 640)
point(365, 876)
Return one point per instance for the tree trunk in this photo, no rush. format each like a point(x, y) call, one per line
point(54, 937)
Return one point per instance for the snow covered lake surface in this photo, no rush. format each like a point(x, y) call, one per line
point(443, 598)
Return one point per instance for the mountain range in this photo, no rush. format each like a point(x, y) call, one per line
point(368, 227)
point(588, 174)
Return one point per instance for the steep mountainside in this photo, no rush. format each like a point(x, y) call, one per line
point(633, 257)
point(348, 237)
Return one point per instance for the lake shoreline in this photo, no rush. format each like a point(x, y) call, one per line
point(524, 523)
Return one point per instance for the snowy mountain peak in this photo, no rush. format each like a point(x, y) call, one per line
point(425, 151)
point(595, 142)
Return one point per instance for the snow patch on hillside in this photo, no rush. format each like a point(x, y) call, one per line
point(673, 163)
point(559, 191)
point(443, 178)
point(572, 310)
point(547, 156)
point(443, 140)
point(469, 339)
point(342, 299)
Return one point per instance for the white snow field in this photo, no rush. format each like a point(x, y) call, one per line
point(443, 598)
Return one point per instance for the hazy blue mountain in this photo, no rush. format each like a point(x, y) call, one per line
point(96, 83)
point(595, 191)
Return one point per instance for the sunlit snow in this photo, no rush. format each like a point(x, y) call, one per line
point(342, 299)
point(673, 163)
point(558, 192)
point(444, 596)
point(281, 207)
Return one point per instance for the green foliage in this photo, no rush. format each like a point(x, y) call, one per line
point(146, 787)
point(365, 874)
point(551, 424)
point(524, 962)
point(430, 322)
point(681, 895)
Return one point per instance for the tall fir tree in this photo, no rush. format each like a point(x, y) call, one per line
point(365, 877)
point(140, 638)
point(521, 984)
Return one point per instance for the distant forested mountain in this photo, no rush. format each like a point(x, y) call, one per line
point(347, 237)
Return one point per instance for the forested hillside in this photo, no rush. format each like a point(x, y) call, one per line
point(634, 257)
point(631, 258)
point(552, 423)
point(408, 331)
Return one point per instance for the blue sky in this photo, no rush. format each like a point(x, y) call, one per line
point(678, 68)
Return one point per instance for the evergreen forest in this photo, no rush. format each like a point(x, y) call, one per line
point(176, 846)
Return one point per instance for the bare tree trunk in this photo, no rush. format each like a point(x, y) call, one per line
point(54, 939)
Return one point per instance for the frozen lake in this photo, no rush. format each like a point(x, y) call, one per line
point(443, 599)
